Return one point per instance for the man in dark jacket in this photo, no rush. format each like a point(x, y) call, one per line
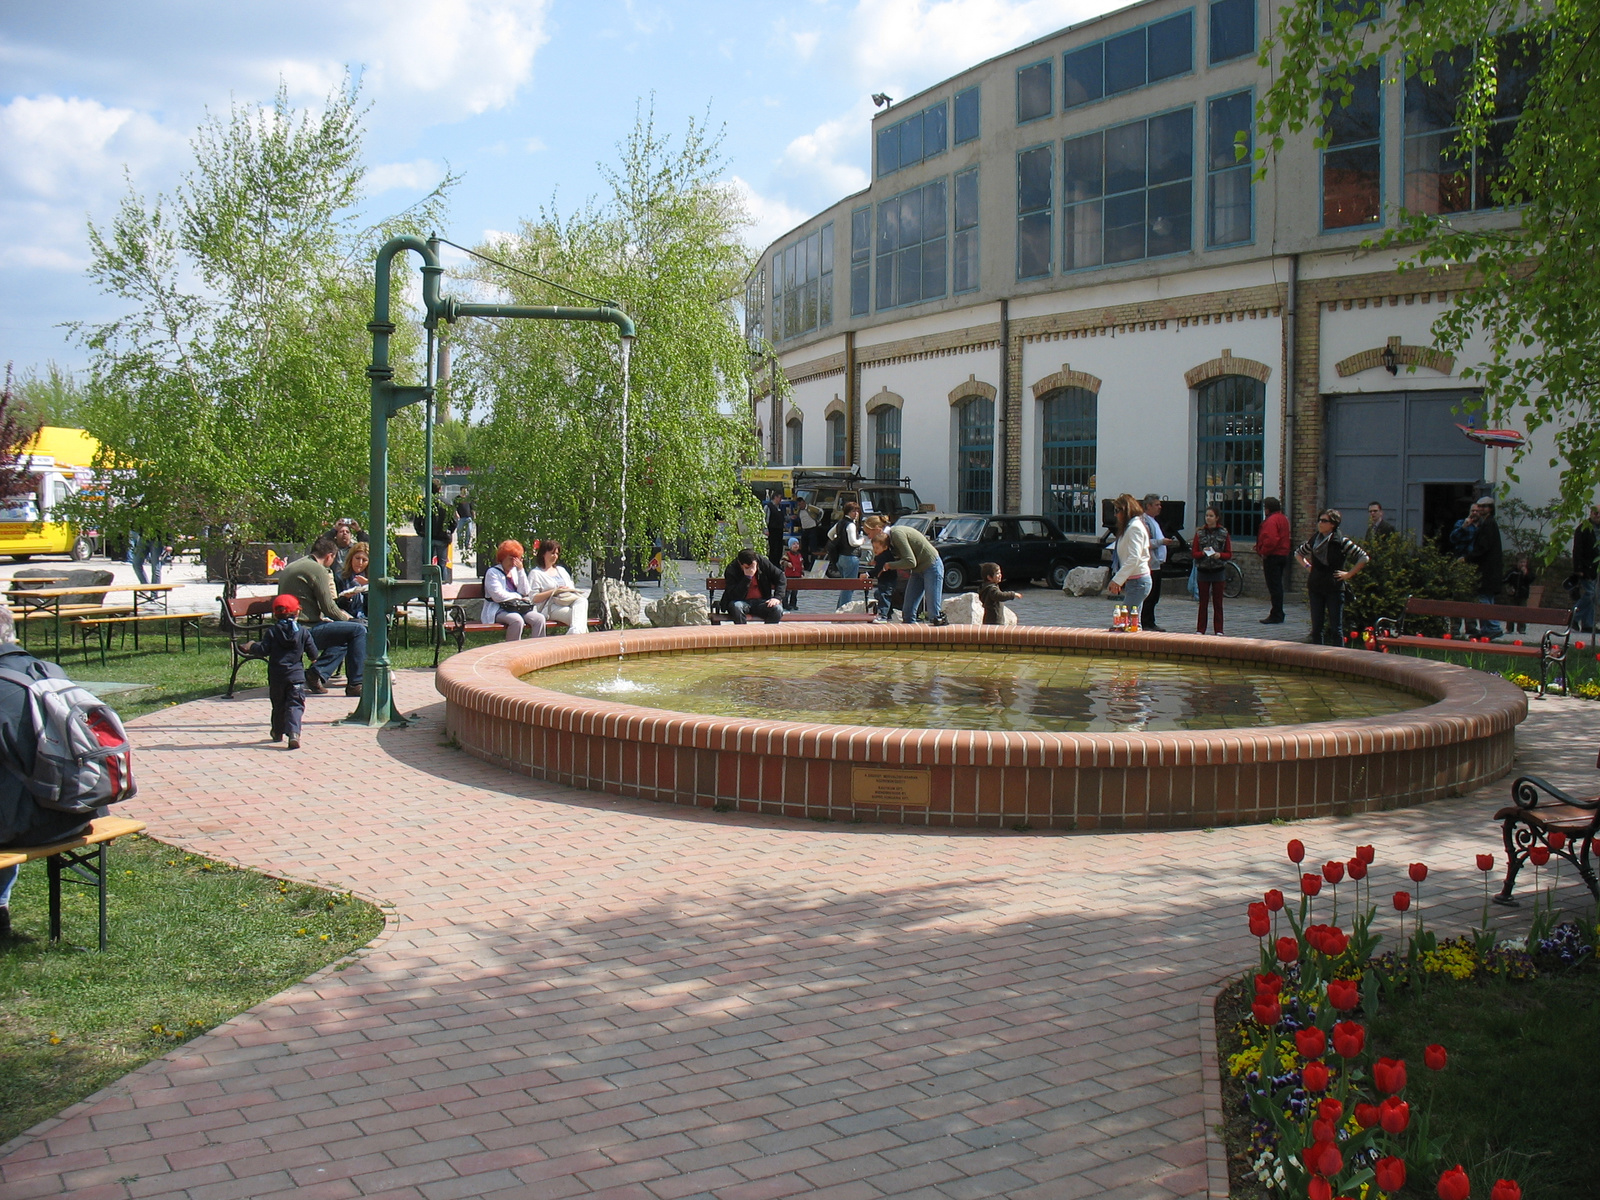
point(439, 527)
point(22, 822)
point(1477, 540)
point(753, 585)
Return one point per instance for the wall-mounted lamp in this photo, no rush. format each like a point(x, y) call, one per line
point(881, 100)
point(1391, 357)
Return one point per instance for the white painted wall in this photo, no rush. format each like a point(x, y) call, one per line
point(812, 397)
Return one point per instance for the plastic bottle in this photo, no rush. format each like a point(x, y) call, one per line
point(1133, 618)
point(1119, 619)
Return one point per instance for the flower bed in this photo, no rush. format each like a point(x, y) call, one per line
point(1339, 1110)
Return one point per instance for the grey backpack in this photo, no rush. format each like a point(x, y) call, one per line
point(83, 761)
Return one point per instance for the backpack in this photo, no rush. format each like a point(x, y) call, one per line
point(84, 761)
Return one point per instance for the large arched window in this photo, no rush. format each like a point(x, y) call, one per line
point(796, 441)
point(836, 439)
point(975, 455)
point(886, 442)
point(1070, 418)
point(1231, 459)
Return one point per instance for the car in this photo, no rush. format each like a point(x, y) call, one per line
point(929, 524)
point(1026, 547)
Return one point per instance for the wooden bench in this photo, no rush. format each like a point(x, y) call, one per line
point(83, 856)
point(863, 584)
point(1526, 824)
point(106, 626)
point(456, 625)
point(1550, 652)
point(243, 619)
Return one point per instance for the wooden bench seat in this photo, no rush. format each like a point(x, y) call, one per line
point(1551, 651)
point(83, 856)
point(105, 626)
point(456, 625)
point(1529, 820)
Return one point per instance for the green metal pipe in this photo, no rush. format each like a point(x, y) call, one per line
point(453, 310)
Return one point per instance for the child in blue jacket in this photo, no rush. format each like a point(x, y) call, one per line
point(286, 645)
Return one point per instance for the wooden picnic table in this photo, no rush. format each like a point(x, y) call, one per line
point(52, 606)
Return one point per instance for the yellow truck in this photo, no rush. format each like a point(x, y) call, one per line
point(60, 463)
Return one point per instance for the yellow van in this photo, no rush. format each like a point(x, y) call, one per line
point(60, 462)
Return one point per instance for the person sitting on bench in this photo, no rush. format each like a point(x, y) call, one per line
point(507, 589)
point(753, 586)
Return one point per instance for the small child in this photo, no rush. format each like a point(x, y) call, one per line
point(793, 568)
point(993, 598)
point(888, 581)
point(286, 645)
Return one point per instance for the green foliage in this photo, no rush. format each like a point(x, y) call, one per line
point(1536, 295)
point(1399, 570)
point(665, 246)
point(1525, 528)
point(53, 397)
point(231, 392)
point(17, 428)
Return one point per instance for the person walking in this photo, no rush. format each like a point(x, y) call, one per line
point(772, 512)
point(1212, 549)
point(1586, 568)
point(909, 551)
point(849, 544)
point(464, 526)
point(1272, 546)
point(1159, 542)
point(1132, 580)
point(285, 644)
point(438, 526)
point(1332, 560)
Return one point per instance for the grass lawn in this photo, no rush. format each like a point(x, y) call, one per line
point(192, 943)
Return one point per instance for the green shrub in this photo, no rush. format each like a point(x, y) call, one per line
point(1399, 570)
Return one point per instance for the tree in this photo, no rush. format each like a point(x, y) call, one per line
point(54, 397)
point(231, 395)
point(17, 429)
point(550, 451)
point(1535, 292)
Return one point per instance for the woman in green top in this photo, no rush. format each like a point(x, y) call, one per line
point(909, 551)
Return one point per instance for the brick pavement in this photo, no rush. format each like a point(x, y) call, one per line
point(579, 995)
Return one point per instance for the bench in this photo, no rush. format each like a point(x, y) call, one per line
point(105, 626)
point(863, 584)
point(243, 619)
point(84, 856)
point(1551, 650)
point(456, 625)
point(1526, 824)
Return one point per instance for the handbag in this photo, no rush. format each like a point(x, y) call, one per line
point(520, 605)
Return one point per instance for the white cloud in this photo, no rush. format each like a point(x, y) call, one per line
point(417, 175)
point(805, 44)
point(831, 159)
point(55, 147)
point(769, 215)
point(533, 145)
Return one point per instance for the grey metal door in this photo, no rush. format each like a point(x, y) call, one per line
point(1389, 446)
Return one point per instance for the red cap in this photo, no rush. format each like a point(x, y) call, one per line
point(286, 604)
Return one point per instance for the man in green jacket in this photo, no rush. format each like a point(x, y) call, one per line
point(337, 636)
point(909, 551)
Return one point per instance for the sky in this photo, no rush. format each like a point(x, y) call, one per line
point(523, 98)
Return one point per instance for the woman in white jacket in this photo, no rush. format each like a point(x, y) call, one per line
point(507, 596)
point(1132, 580)
point(554, 592)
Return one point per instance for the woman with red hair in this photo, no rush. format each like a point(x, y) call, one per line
point(506, 591)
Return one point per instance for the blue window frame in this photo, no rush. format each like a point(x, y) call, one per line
point(1127, 192)
point(836, 440)
point(1231, 455)
point(975, 455)
point(802, 285)
point(1229, 207)
point(796, 443)
point(964, 248)
point(966, 116)
point(861, 262)
point(886, 442)
point(1352, 164)
point(1035, 91)
point(912, 239)
point(1233, 29)
point(1035, 208)
point(1070, 417)
point(1149, 54)
point(908, 142)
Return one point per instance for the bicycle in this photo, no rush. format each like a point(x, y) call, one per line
point(1232, 580)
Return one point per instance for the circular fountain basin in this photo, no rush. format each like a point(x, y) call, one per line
point(985, 726)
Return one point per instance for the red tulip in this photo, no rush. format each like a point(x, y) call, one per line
point(1453, 1184)
point(1556, 839)
point(1333, 872)
point(1319, 1189)
point(1267, 1011)
point(1539, 855)
point(1343, 994)
point(1348, 1039)
point(1310, 885)
point(1402, 901)
point(1518, 642)
point(1389, 1075)
point(1330, 1109)
point(1485, 862)
point(1260, 926)
point(1417, 871)
point(1322, 1130)
point(1367, 854)
point(1357, 868)
point(1288, 949)
point(1269, 984)
point(1311, 1043)
point(1323, 1158)
point(1505, 1189)
point(1315, 1077)
point(1434, 1057)
point(1390, 1173)
point(1297, 850)
point(1448, 636)
point(1394, 1114)
point(1273, 900)
point(1366, 1115)
point(1335, 942)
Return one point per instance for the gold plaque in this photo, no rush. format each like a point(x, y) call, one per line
point(888, 788)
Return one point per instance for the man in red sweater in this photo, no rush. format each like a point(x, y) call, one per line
point(1272, 544)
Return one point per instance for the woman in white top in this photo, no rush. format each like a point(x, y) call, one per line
point(554, 592)
point(506, 595)
point(1132, 580)
point(852, 546)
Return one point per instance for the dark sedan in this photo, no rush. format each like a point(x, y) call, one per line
point(1026, 548)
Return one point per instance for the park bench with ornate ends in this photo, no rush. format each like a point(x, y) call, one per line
point(863, 584)
point(81, 859)
point(1551, 651)
point(243, 619)
point(456, 625)
point(1527, 823)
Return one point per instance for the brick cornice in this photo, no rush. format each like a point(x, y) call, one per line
point(1066, 378)
point(1205, 308)
point(794, 416)
point(884, 399)
point(835, 408)
point(1400, 354)
point(1227, 364)
point(972, 386)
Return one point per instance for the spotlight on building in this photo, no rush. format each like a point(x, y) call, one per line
point(881, 100)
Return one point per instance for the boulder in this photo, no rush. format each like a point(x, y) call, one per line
point(617, 602)
point(964, 609)
point(680, 608)
point(33, 578)
point(1087, 581)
